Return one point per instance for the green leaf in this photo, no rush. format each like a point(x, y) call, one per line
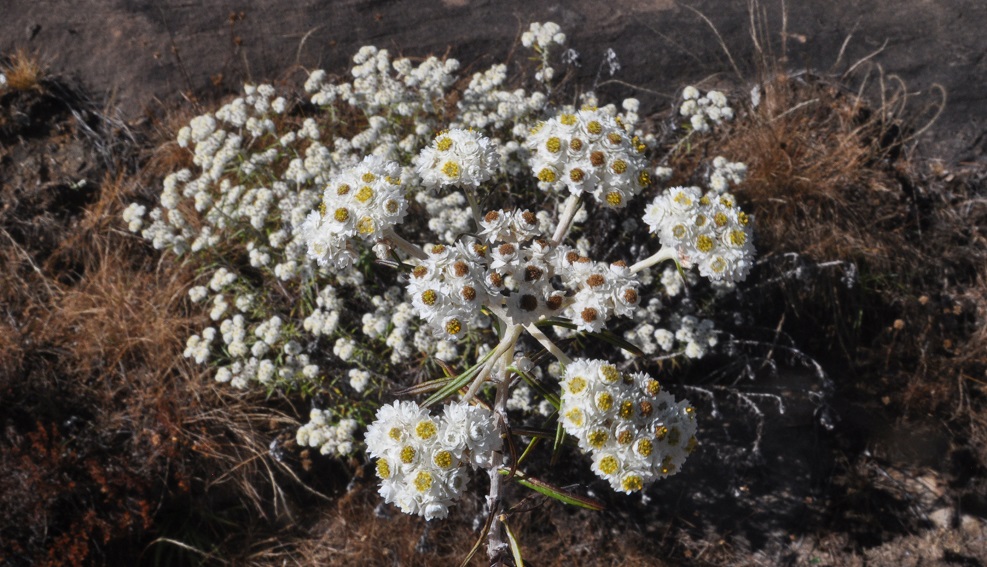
point(555, 492)
point(515, 548)
point(457, 382)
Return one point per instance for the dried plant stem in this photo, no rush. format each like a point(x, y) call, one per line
point(658, 257)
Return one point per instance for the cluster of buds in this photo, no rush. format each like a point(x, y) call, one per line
point(634, 431)
point(701, 110)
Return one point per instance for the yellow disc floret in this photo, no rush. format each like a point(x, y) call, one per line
point(609, 464)
point(577, 384)
point(383, 469)
point(364, 194)
point(425, 429)
point(597, 438)
point(547, 175)
point(704, 243)
point(443, 143)
point(407, 454)
point(429, 297)
point(443, 459)
point(368, 177)
point(341, 214)
point(423, 481)
point(631, 483)
point(553, 145)
point(453, 326)
point(451, 169)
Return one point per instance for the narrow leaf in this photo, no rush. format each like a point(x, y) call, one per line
point(555, 492)
point(515, 548)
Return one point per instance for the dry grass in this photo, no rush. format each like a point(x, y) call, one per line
point(24, 70)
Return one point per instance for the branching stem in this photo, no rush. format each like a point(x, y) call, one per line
point(658, 257)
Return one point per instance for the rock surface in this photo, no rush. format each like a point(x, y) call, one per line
point(136, 50)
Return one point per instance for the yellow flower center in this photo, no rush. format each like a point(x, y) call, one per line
point(425, 429)
point(429, 296)
point(443, 459)
point(609, 373)
point(453, 326)
point(364, 194)
point(597, 438)
point(342, 214)
point(553, 145)
point(423, 481)
point(632, 483)
point(604, 401)
point(443, 143)
point(609, 464)
point(368, 177)
point(407, 454)
point(704, 243)
point(577, 384)
point(383, 469)
point(451, 169)
point(546, 175)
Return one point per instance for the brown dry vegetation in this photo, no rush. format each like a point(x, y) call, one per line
point(116, 451)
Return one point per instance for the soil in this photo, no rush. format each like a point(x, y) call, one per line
point(839, 473)
point(137, 51)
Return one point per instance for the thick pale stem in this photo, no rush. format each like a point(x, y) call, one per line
point(474, 205)
point(664, 254)
point(572, 204)
point(495, 538)
point(546, 342)
point(409, 248)
point(506, 344)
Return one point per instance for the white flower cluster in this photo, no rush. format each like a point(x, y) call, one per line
point(392, 320)
point(726, 173)
point(701, 110)
point(460, 158)
point(484, 105)
point(363, 201)
point(512, 271)
point(449, 215)
point(335, 439)
point(588, 151)
point(421, 459)
point(3, 81)
point(709, 231)
point(543, 35)
point(634, 431)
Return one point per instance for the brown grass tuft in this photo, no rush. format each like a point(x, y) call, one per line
point(24, 71)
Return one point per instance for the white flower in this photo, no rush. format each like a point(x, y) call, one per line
point(457, 157)
point(421, 459)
